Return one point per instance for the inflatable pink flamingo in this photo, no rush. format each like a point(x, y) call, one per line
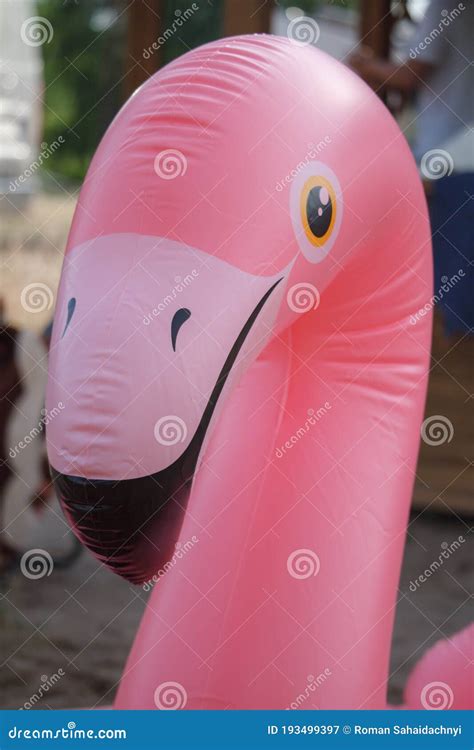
point(243, 387)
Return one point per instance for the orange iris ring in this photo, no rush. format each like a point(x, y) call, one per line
point(312, 182)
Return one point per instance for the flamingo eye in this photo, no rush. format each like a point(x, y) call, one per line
point(316, 210)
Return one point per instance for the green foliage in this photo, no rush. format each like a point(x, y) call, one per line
point(83, 67)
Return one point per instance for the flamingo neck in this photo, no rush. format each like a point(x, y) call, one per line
point(291, 549)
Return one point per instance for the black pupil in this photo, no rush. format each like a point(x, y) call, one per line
point(319, 210)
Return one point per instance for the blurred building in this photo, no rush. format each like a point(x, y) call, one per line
point(21, 106)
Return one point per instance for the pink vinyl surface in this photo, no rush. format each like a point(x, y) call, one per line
point(288, 549)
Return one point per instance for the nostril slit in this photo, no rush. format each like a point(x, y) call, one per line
point(71, 306)
point(180, 317)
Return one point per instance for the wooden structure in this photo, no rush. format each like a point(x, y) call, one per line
point(145, 23)
point(376, 23)
point(247, 17)
point(445, 475)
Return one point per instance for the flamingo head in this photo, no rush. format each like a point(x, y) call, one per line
point(218, 209)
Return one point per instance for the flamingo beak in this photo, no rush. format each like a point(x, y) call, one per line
point(128, 514)
point(133, 525)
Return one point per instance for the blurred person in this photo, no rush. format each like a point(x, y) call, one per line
point(22, 34)
point(438, 71)
point(29, 515)
point(10, 391)
point(439, 75)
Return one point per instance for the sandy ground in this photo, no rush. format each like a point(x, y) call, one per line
point(82, 621)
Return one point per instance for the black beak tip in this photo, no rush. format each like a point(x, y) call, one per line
point(131, 525)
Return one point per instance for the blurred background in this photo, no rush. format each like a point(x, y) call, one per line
point(66, 67)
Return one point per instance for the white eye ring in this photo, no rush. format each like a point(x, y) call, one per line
point(314, 174)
